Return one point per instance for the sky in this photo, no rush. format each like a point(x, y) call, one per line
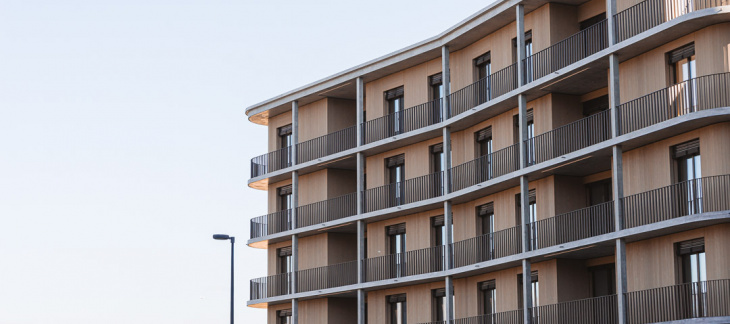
point(124, 145)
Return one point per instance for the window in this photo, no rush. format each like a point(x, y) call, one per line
point(483, 141)
point(535, 285)
point(438, 238)
point(532, 217)
point(397, 246)
point(397, 309)
point(488, 299)
point(282, 220)
point(437, 157)
point(585, 24)
point(438, 304)
point(528, 55)
point(436, 85)
point(603, 280)
point(530, 134)
point(485, 221)
point(396, 177)
point(483, 69)
point(283, 316)
point(285, 141)
point(689, 173)
point(599, 192)
point(693, 272)
point(394, 100)
point(284, 265)
point(683, 74)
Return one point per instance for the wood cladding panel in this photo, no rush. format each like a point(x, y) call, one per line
point(415, 84)
point(274, 123)
point(463, 144)
point(711, 48)
point(418, 302)
point(314, 311)
point(341, 247)
point(651, 166)
point(591, 9)
point(341, 113)
point(273, 195)
point(418, 162)
point(313, 120)
point(418, 232)
point(652, 263)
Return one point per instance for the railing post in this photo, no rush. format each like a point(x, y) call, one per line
point(446, 81)
point(294, 130)
point(449, 287)
point(360, 108)
point(520, 12)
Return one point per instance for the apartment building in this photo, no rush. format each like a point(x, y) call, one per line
point(539, 162)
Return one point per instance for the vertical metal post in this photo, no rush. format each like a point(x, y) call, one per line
point(446, 176)
point(294, 262)
point(233, 241)
point(448, 215)
point(520, 12)
point(295, 311)
point(361, 251)
point(610, 12)
point(446, 81)
point(449, 299)
point(527, 290)
point(360, 109)
point(522, 120)
point(294, 130)
point(361, 298)
point(614, 94)
point(360, 182)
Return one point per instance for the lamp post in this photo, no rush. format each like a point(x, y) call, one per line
point(233, 241)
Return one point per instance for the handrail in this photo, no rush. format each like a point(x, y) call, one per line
point(697, 94)
point(404, 121)
point(330, 276)
point(483, 90)
point(572, 226)
point(400, 193)
point(415, 262)
point(272, 161)
point(569, 138)
point(485, 168)
point(487, 247)
point(327, 210)
point(709, 298)
point(329, 144)
point(567, 51)
point(707, 194)
point(273, 223)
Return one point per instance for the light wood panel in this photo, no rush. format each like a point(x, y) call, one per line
point(651, 166)
point(565, 110)
point(273, 194)
point(652, 263)
point(342, 310)
point(340, 182)
point(418, 162)
point(463, 145)
point(274, 123)
point(341, 113)
point(313, 120)
point(572, 193)
point(711, 48)
point(314, 311)
point(415, 85)
point(418, 302)
point(313, 187)
point(591, 9)
point(341, 247)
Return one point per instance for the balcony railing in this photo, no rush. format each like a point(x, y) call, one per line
point(509, 317)
point(331, 276)
point(708, 194)
point(488, 88)
point(322, 146)
point(410, 263)
point(271, 286)
point(272, 161)
point(651, 13)
point(579, 224)
point(597, 310)
point(327, 210)
point(569, 138)
point(691, 300)
point(487, 247)
point(702, 93)
point(271, 224)
point(404, 121)
point(399, 193)
point(566, 52)
point(485, 168)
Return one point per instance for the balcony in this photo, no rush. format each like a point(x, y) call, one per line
point(403, 121)
point(329, 144)
point(406, 192)
point(484, 168)
point(569, 138)
point(704, 195)
point(684, 301)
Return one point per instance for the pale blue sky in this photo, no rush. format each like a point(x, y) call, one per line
point(124, 145)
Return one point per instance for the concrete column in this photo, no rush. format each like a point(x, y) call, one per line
point(361, 251)
point(360, 182)
point(294, 130)
point(448, 220)
point(449, 299)
point(525, 212)
point(294, 198)
point(360, 108)
point(520, 11)
point(621, 285)
point(522, 104)
point(446, 80)
point(295, 311)
point(614, 95)
point(527, 290)
point(294, 237)
point(446, 176)
point(610, 12)
point(361, 298)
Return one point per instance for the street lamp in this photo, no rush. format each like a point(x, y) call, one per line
point(233, 240)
